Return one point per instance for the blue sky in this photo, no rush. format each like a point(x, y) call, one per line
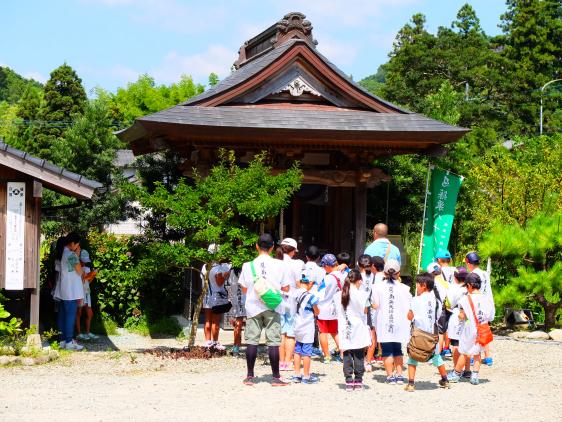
point(111, 42)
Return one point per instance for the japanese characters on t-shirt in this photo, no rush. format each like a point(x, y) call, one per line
point(485, 287)
point(352, 322)
point(302, 303)
point(425, 308)
point(393, 299)
point(273, 271)
point(484, 310)
point(367, 286)
point(454, 295)
point(455, 327)
point(327, 288)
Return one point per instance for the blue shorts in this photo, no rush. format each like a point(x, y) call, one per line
point(391, 349)
point(287, 325)
point(437, 360)
point(303, 349)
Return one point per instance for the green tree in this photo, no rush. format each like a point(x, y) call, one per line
point(28, 113)
point(13, 86)
point(89, 148)
point(223, 208)
point(213, 79)
point(532, 256)
point(515, 185)
point(444, 104)
point(532, 43)
point(144, 97)
point(65, 99)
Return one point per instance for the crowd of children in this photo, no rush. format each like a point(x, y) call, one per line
point(370, 314)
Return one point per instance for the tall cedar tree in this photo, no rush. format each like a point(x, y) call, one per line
point(65, 99)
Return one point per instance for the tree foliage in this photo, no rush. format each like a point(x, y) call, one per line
point(224, 208)
point(532, 255)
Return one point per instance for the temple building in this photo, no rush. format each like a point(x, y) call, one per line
point(288, 99)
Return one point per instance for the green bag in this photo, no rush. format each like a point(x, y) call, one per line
point(268, 294)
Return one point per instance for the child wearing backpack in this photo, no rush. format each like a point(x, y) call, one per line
point(304, 307)
point(424, 312)
point(352, 307)
point(475, 309)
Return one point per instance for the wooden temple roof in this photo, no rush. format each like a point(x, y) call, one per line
point(285, 93)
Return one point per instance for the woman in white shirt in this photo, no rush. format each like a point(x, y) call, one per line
point(354, 334)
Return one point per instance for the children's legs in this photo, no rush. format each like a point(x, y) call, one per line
point(358, 363)
point(336, 340)
point(238, 322)
point(61, 318)
point(283, 346)
point(411, 373)
point(78, 318)
point(477, 362)
point(455, 355)
point(251, 356)
point(306, 366)
point(89, 316)
point(398, 362)
point(371, 348)
point(348, 366)
point(297, 364)
point(207, 326)
point(487, 353)
point(440, 343)
point(447, 341)
point(215, 326)
point(323, 337)
point(289, 349)
point(389, 365)
point(460, 362)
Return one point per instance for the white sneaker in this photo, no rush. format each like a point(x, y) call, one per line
point(208, 344)
point(83, 336)
point(92, 336)
point(62, 344)
point(219, 346)
point(74, 346)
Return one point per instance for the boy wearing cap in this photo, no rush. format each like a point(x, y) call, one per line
point(327, 317)
point(259, 316)
point(304, 306)
point(443, 258)
point(473, 264)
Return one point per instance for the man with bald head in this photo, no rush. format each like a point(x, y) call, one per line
point(382, 246)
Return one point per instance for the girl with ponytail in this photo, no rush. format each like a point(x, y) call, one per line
point(355, 336)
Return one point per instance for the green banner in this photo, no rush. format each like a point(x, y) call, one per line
point(441, 200)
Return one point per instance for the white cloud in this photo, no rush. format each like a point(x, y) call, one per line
point(217, 59)
point(39, 77)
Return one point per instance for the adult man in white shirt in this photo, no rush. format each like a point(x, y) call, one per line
point(259, 316)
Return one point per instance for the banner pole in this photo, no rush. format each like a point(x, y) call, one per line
point(429, 167)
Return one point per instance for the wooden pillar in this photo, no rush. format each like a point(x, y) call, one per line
point(360, 202)
point(35, 259)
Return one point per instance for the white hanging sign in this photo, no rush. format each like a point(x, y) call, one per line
point(15, 236)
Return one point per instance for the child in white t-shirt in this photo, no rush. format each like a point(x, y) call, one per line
point(304, 306)
point(454, 330)
point(352, 305)
point(392, 299)
point(86, 305)
point(365, 268)
point(468, 347)
point(424, 311)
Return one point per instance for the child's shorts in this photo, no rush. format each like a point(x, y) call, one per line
point(391, 349)
point(328, 326)
point(437, 360)
point(87, 300)
point(303, 349)
point(287, 325)
point(454, 343)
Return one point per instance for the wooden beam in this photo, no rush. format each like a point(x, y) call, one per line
point(35, 292)
point(360, 200)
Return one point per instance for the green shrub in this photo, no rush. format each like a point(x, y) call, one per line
point(161, 326)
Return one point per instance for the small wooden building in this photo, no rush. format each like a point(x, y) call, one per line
point(22, 178)
point(287, 98)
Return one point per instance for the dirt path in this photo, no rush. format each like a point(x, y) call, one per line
point(524, 384)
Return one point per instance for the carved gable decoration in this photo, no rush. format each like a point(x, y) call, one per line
point(298, 86)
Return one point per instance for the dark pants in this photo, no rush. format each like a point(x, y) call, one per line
point(353, 364)
point(66, 319)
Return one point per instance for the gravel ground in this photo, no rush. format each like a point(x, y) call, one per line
point(524, 384)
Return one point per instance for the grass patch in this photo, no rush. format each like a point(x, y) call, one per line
point(104, 326)
point(161, 326)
